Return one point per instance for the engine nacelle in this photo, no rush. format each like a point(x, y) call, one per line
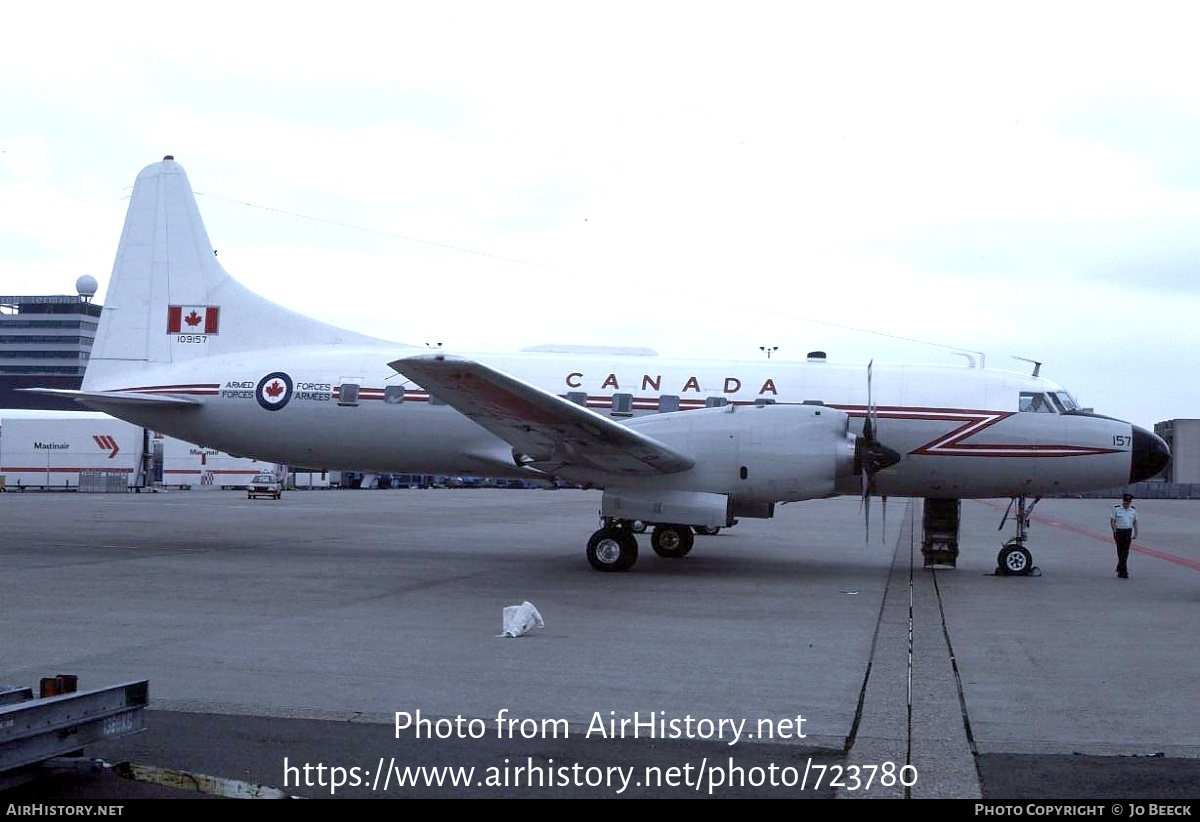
point(752, 455)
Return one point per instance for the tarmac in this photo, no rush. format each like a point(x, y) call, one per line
point(285, 641)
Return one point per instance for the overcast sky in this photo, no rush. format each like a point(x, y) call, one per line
point(700, 178)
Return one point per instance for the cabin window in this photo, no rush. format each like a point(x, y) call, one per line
point(622, 403)
point(348, 393)
point(393, 394)
point(716, 402)
point(578, 397)
point(764, 401)
point(668, 403)
point(435, 401)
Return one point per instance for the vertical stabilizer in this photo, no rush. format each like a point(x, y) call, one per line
point(170, 301)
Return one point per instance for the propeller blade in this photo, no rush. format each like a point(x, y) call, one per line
point(864, 505)
point(871, 456)
point(869, 426)
point(865, 459)
point(867, 516)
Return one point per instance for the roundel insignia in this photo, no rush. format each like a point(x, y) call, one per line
point(274, 391)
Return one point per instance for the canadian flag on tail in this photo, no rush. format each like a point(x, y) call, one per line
point(195, 319)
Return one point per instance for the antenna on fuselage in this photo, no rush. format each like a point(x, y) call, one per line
point(1037, 366)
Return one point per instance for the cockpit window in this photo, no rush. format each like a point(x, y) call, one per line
point(1067, 401)
point(1037, 403)
point(1054, 402)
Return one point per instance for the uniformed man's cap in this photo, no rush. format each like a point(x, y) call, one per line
point(1127, 497)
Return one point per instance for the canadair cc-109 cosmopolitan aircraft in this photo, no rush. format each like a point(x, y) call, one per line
point(184, 349)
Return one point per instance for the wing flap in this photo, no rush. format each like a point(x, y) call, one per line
point(546, 431)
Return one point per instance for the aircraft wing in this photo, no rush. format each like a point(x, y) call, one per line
point(546, 431)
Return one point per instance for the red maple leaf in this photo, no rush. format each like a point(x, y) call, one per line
point(193, 318)
point(274, 389)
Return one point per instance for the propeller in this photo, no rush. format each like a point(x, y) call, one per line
point(870, 455)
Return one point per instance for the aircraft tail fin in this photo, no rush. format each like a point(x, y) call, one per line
point(170, 301)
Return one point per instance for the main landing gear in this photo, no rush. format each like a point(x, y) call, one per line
point(1014, 559)
point(672, 541)
point(614, 547)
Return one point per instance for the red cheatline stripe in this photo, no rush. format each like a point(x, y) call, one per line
point(43, 470)
point(196, 388)
point(221, 471)
point(1108, 538)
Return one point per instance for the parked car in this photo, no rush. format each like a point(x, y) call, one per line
point(264, 485)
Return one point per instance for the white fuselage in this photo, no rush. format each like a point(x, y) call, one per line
point(959, 430)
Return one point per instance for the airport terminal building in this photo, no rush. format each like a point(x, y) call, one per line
point(45, 342)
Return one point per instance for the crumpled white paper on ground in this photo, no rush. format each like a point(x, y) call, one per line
point(521, 619)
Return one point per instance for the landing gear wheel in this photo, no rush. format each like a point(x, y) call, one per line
point(1014, 561)
point(672, 541)
point(706, 530)
point(612, 549)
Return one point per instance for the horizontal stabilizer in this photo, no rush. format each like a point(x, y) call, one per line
point(546, 431)
point(101, 399)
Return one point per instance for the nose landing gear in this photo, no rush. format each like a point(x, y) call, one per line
point(1014, 559)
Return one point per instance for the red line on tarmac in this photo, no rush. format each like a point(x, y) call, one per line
point(1107, 538)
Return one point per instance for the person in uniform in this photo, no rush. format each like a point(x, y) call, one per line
point(1124, 528)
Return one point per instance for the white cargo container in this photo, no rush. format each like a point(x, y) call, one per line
point(50, 449)
point(193, 466)
point(302, 479)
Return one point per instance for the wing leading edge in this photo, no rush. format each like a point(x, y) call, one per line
point(546, 431)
